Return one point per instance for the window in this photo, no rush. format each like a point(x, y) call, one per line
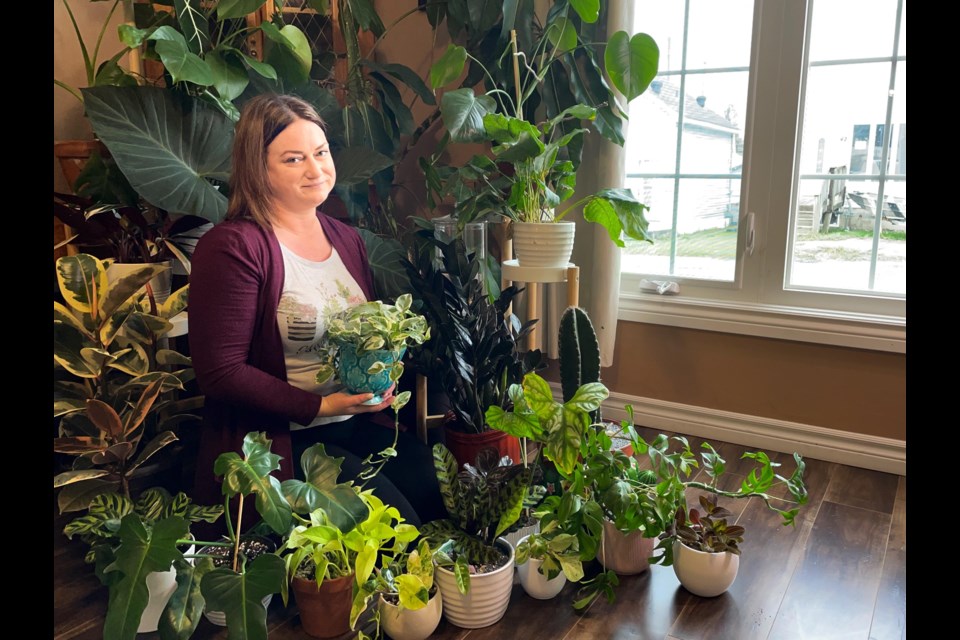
point(774, 167)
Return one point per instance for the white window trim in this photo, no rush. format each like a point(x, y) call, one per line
point(735, 307)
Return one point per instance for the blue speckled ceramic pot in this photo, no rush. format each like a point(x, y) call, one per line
point(352, 370)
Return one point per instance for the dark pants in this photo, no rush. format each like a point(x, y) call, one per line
point(407, 481)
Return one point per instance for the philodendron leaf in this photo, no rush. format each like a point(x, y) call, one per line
point(182, 64)
point(463, 112)
point(340, 502)
point(562, 34)
point(240, 596)
point(167, 146)
point(588, 10)
point(237, 8)
point(631, 62)
point(185, 607)
point(251, 474)
point(449, 67)
point(141, 552)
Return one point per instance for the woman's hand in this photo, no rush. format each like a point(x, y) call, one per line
point(345, 404)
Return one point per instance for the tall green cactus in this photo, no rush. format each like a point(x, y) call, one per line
point(579, 353)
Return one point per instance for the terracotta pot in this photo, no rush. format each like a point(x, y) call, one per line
point(324, 612)
point(464, 446)
point(625, 553)
point(704, 574)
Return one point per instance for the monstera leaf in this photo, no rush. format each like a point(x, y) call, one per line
point(240, 595)
point(169, 147)
point(141, 552)
point(251, 474)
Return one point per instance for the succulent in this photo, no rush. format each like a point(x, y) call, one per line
point(709, 532)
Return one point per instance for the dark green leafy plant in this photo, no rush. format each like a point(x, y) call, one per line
point(475, 353)
point(709, 532)
point(483, 501)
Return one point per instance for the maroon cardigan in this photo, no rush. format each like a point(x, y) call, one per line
point(235, 284)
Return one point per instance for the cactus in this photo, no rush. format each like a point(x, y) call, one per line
point(579, 353)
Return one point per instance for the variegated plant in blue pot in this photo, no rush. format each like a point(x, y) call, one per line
point(366, 345)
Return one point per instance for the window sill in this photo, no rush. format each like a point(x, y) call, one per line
point(859, 331)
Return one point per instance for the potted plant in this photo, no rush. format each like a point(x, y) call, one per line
point(409, 603)
point(365, 345)
point(534, 162)
point(706, 551)
point(475, 564)
point(546, 560)
point(328, 564)
point(476, 352)
point(114, 381)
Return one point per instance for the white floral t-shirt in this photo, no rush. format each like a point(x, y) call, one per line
point(312, 292)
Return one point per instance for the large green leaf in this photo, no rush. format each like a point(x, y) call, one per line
point(251, 474)
point(193, 24)
point(167, 147)
point(385, 256)
point(182, 64)
point(463, 113)
point(355, 165)
point(448, 67)
point(562, 34)
point(240, 596)
point(141, 551)
point(631, 63)
point(618, 211)
point(341, 502)
point(229, 75)
point(588, 10)
point(237, 8)
point(182, 613)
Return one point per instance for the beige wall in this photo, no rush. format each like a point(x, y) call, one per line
point(832, 387)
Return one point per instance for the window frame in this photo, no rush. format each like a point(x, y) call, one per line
point(755, 302)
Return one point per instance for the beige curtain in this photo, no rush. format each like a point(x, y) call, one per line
point(598, 258)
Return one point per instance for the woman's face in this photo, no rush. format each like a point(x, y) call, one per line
point(300, 168)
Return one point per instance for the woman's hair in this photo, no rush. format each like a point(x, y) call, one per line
point(261, 120)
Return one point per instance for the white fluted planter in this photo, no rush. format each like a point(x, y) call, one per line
point(535, 583)
point(625, 554)
point(704, 574)
point(488, 598)
point(406, 624)
point(521, 533)
point(543, 244)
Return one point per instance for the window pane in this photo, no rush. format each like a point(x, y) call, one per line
point(708, 18)
point(902, 49)
point(834, 232)
point(713, 123)
point(707, 215)
point(852, 29)
point(664, 23)
point(844, 106)
point(898, 164)
point(652, 130)
point(643, 257)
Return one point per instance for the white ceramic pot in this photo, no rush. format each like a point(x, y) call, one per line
point(405, 624)
point(160, 585)
point(161, 284)
point(521, 533)
point(488, 598)
point(625, 554)
point(704, 574)
point(543, 244)
point(535, 583)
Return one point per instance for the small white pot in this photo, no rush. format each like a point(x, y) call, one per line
point(160, 585)
point(535, 583)
point(543, 244)
point(626, 554)
point(704, 574)
point(488, 598)
point(405, 624)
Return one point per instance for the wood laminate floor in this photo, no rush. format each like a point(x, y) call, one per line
point(840, 573)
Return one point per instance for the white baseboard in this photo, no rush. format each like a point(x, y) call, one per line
point(844, 447)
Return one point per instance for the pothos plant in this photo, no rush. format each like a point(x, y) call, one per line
point(405, 580)
point(557, 550)
point(373, 327)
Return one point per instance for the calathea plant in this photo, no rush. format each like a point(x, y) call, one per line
point(483, 501)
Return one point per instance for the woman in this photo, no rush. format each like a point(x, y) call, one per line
point(262, 285)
